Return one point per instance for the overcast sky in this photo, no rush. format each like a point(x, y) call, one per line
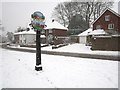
point(18, 13)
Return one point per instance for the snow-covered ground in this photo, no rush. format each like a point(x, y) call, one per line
point(76, 48)
point(58, 71)
point(81, 48)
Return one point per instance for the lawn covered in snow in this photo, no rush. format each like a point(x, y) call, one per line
point(75, 48)
point(58, 71)
point(81, 48)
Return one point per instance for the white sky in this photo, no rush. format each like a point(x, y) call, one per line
point(18, 12)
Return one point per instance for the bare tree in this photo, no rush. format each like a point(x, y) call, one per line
point(99, 6)
point(63, 12)
point(58, 13)
point(90, 10)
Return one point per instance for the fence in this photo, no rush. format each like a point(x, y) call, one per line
point(109, 43)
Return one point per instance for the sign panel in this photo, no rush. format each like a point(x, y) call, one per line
point(37, 21)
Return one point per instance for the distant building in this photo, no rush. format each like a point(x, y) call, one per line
point(27, 37)
point(83, 36)
point(55, 32)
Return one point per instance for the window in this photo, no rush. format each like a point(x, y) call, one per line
point(50, 30)
point(110, 26)
point(107, 18)
point(43, 31)
point(98, 26)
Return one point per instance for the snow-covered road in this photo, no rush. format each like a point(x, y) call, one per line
point(58, 71)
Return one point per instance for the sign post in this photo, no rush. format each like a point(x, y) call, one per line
point(38, 66)
point(38, 24)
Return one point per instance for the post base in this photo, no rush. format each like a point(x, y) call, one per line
point(38, 68)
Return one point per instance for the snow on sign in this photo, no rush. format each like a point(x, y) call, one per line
point(37, 20)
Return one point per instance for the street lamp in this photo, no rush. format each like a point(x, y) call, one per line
point(38, 24)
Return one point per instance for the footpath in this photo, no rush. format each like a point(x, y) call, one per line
point(70, 54)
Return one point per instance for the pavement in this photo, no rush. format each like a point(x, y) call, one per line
point(70, 54)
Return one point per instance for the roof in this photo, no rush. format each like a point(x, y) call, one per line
point(85, 33)
point(26, 32)
point(104, 12)
point(55, 25)
point(97, 32)
point(30, 32)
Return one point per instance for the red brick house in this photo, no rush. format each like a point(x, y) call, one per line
point(109, 21)
point(55, 32)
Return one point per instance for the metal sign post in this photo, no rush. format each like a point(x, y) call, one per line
point(38, 66)
point(38, 25)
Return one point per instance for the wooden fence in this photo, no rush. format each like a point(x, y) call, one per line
point(109, 43)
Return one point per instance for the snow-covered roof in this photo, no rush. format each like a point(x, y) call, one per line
point(91, 32)
point(97, 32)
point(117, 35)
point(30, 32)
point(55, 25)
point(102, 36)
point(25, 32)
point(85, 33)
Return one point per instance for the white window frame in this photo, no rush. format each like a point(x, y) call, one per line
point(43, 31)
point(107, 18)
point(50, 30)
point(98, 26)
point(110, 26)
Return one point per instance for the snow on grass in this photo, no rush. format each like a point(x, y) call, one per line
point(75, 48)
point(82, 73)
point(18, 71)
point(81, 48)
point(58, 72)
